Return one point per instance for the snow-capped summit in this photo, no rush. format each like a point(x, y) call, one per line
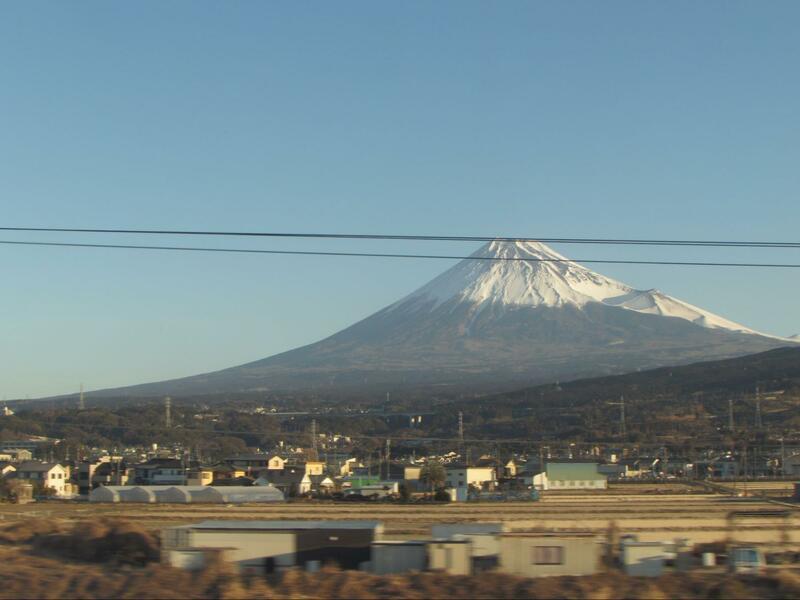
point(526, 273)
point(512, 314)
point(519, 274)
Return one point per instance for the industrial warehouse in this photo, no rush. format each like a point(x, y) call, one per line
point(264, 547)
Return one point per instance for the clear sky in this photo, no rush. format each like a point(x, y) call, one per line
point(613, 119)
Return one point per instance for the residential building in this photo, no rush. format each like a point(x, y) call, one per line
point(292, 481)
point(160, 471)
point(48, 475)
point(18, 454)
point(107, 470)
point(6, 467)
point(276, 463)
point(250, 463)
point(314, 467)
point(461, 475)
point(200, 476)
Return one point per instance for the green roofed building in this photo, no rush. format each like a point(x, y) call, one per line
point(574, 476)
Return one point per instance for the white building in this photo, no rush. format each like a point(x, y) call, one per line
point(460, 476)
point(571, 476)
point(49, 475)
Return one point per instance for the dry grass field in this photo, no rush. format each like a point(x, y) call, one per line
point(82, 550)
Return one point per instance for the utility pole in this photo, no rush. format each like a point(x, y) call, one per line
point(81, 401)
point(730, 414)
point(314, 434)
point(388, 455)
point(758, 409)
point(783, 459)
point(168, 412)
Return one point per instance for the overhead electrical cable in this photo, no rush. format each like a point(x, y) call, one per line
point(435, 238)
point(391, 255)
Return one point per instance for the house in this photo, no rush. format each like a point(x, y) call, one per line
point(537, 554)
point(321, 484)
point(268, 546)
point(462, 475)
point(111, 472)
point(510, 469)
point(276, 463)
point(18, 454)
point(314, 467)
point(200, 476)
point(6, 467)
point(292, 481)
point(223, 472)
point(106, 470)
point(574, 476)
point(160, 471)
point(48, 475)
point(411, 472)
point(249, 463)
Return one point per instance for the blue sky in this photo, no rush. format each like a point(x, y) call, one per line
point(621, 119)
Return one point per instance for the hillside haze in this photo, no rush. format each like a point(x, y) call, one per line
point(513, 314)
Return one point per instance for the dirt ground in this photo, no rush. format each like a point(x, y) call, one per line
point(655, 512)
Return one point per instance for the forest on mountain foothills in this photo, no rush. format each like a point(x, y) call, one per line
point(669, 405)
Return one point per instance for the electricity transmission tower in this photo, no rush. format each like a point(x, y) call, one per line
point(621, 404)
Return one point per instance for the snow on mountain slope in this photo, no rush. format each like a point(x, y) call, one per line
point(513, 315)
point(529, 274)
point(532, 274)
point(654, 302)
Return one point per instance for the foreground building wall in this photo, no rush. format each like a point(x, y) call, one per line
point(542, 555)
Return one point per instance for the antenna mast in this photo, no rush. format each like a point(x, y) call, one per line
point(81, 401)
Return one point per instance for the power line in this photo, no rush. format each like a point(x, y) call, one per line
point(439, 238)
point(392, 255)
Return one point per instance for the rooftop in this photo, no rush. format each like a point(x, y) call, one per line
point(573, 471)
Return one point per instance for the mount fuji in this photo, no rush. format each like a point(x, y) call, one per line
point(512, 314)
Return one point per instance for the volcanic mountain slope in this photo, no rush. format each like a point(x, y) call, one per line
point(514, 313)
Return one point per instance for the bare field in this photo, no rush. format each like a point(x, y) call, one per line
point(656, 512)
